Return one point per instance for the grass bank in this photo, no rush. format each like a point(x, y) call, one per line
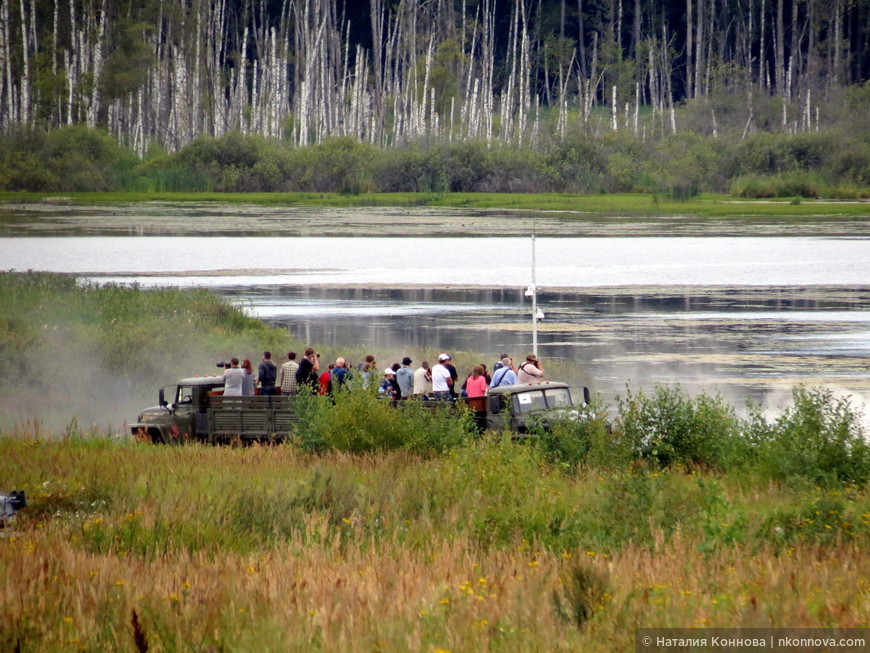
point(92, 353)
point(488, 548)
point(369, 533)
point(574, 207)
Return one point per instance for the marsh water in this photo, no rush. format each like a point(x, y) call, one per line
point(742, 308)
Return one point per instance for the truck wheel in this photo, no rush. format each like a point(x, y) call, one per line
point(155, 436)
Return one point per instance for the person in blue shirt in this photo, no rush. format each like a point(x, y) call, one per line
point(341, 374)
point(505, 375)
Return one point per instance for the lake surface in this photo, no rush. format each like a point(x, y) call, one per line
point(746, 311)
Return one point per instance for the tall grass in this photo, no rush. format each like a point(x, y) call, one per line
point(97, 352)
point(588, 207)
point(487, 547)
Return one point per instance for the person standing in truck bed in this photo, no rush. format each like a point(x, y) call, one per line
point(234, 376)
point(287, 376)
point(248, 381)
point(423, 381)
point(442, 380)
point(306, 375)
point(341, 374)
point(530, 371)
point(267, 374)
point(505, 375)
point(405, 378)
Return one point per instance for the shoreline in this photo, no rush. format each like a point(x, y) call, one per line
point(649, 289)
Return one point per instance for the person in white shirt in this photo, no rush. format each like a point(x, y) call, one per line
point(234, 376)
point(530, 371)
point(442, 379)
point(422, 380)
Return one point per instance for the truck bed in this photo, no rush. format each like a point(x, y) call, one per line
point(251, 418)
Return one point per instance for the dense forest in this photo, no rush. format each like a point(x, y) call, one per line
point(436, 95)
point(384, 72)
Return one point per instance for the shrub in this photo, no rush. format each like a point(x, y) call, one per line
point(687, 163)
point(764, 154)
point(66, 159)
point(826, 517)
point(752, 186)
point(576, 164)
point(797, 184)
point(583, 593)
point(413, 168)
point(502, 488)
point(673, 428)
point(574, 437)
point(357, 420)
point(819, 438)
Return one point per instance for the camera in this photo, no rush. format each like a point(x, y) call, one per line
point(317, 355)
point(223, 365)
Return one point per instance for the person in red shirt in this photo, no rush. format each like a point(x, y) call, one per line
point(475, 385)
point(475, 388)
point(325, 380)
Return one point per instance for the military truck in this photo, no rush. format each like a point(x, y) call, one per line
point(200, 413)
point(514, 407)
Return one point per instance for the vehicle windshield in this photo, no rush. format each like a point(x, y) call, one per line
point(184, 395)
point(558, 397)
point(525, 402)
point(543, 399)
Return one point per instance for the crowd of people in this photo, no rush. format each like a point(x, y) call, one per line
point(398, 381)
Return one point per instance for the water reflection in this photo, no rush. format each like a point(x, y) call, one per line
point(733, 305)
point(739, 342)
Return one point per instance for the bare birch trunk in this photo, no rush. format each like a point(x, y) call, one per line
point(24, 111)
point(613, 110)
point(7, 88)
point(97, 71)
point(779, 40)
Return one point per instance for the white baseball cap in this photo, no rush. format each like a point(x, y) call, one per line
point(444, 357)
point(389, 370)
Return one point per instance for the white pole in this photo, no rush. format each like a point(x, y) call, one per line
point(534, 299)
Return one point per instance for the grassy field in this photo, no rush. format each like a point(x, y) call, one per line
point(373, 532)
point(574, 206)
point(486, 548)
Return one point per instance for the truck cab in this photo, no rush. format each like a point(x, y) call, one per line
point(185, 417)
point(513, 407)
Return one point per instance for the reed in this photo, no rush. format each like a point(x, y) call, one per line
point(577, 207)
point(486, 548)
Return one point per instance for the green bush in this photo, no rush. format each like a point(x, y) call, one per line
point(357, 420)
point(764, 154)
point(576, 164)
point(818, 439)
point(687, 163)
point(504, 490)
point(826, 516)
point(752, 186)
point(413, 168)
point(67, 159)
point(672, 428)
point(578, 436)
